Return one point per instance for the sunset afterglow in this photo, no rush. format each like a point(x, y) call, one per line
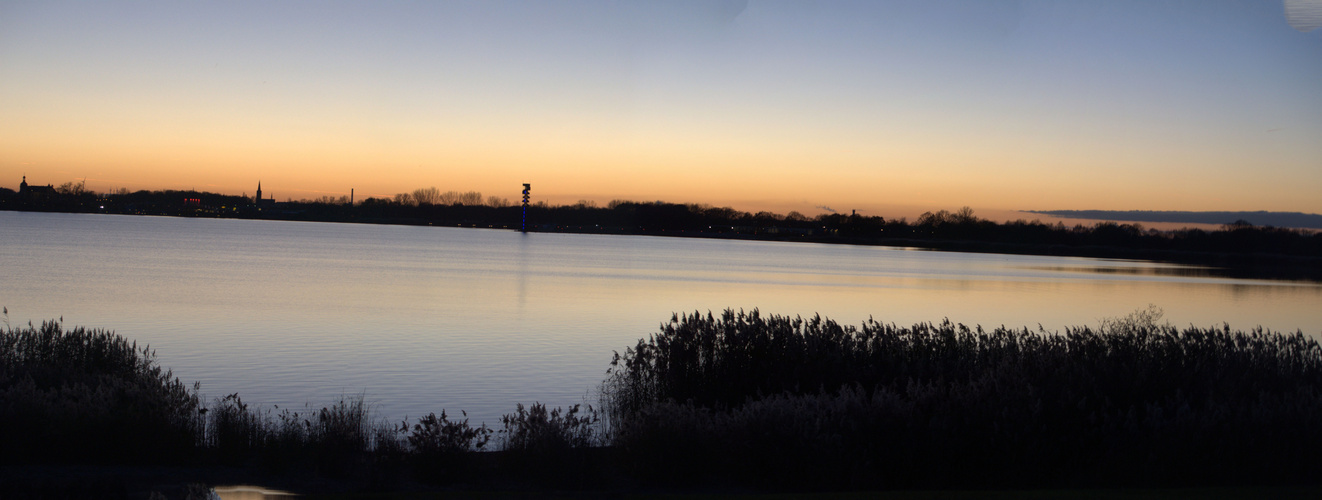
point(883, 107)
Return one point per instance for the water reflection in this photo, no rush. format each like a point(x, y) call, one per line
point(246, 492)
point(1182, 271)
point(424, 319)
point(1169, 270)
point(523, 270)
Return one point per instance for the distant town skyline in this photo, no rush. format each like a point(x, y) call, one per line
point(888, 107)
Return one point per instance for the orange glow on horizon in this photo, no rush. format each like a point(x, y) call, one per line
point(1061, 109)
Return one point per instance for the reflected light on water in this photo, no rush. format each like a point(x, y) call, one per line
point(1162, 271)
point(245, 492)
point(424, 319)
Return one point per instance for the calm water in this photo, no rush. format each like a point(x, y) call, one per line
point(422, 318)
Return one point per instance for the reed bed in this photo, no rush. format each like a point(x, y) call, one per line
point(810, 402)
point(88, 395)
point(741, 400)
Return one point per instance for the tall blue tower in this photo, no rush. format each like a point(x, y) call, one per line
point(526, 188)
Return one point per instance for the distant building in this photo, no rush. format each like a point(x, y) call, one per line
point(35, 192)
point(259, 201)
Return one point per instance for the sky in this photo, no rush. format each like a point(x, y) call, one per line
point(886, 107)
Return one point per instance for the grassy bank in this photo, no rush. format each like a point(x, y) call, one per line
point(737, 402)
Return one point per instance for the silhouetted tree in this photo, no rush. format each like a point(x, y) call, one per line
point(458, 198)
point(427, 196)
point(73, 188)
point(964, 216)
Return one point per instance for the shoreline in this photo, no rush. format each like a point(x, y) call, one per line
point(1243, 265)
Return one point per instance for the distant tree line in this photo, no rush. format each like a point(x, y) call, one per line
point(431, 196)
point(1261, 217)
point(1283, 252)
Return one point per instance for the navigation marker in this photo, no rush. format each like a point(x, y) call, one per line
point(526, 188)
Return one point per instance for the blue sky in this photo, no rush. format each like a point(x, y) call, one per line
point(887, 107)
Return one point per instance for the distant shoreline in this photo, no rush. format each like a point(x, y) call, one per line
point(1297, 220)
point(1240, 250)
point(1251, 265)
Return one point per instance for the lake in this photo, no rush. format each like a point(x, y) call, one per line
point(424, 318)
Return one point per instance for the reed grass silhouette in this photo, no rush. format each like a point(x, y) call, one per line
point(88, 396)
point(810, 402)
point(741, 400)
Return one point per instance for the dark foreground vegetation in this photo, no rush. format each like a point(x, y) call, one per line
point(735, 402)
point(808, 402)
point(1241, 248)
